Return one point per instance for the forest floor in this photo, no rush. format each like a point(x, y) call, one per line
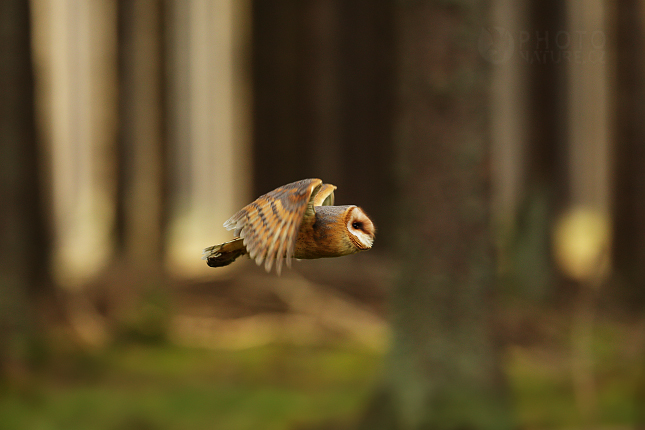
point(303, 352)
point(154, 387)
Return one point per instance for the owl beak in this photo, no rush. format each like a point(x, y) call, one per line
point(365, 243)
point(370, 243)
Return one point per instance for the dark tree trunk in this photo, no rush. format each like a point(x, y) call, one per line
point(545, 163)
point(629, 215)
point(367, 74)
point(444, 371)
point(24, 244)
point(282, 116)
point(138, 267)
point(323, 99)
point(141, 190)
point(629, 223)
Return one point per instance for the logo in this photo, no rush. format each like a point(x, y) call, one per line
point(496, 44)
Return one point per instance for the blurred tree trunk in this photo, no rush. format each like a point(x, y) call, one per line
point(141, 140)
point(543, 179)
point(281, 153)
point(323, 73)
point(629, 223)
point(137, 269)
point(629, 197)
point(444, 371)
point(366, 78)
point(24, 244)
point(207, 127)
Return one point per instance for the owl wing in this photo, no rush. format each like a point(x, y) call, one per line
point(270, 224)
point(324, 196)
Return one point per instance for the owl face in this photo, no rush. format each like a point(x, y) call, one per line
point(360, 229)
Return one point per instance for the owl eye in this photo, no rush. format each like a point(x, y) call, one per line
point(357, 225)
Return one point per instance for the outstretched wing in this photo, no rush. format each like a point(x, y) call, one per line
point(270, 224)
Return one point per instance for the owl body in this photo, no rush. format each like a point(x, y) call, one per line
point(295, 220)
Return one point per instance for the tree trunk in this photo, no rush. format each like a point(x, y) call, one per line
point(544, 178)
point(24, 256)
point(629, 214)
point(323, 99)
point(141, 189)
point(443, 371)
point(629, 228)
point(137, 269)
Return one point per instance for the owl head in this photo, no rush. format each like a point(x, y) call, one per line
point(338, 230)
point(360, 229)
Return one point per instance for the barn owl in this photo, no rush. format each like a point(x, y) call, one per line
point(295, 220)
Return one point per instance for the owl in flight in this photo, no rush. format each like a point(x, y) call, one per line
point(295, 220)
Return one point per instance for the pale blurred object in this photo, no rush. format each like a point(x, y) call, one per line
point(509, 120)
point(209, 127)
point(317, 315)
point(74, 44)
point(581, 242)
point(583, 236)
point(589, 113)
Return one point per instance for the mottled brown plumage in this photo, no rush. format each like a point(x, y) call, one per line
point(295, 220)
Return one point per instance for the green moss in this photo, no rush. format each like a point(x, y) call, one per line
point(147, 387)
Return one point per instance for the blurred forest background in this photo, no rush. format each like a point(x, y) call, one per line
point(498, 145)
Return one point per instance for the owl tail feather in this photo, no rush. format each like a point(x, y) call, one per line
point(224, 253)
